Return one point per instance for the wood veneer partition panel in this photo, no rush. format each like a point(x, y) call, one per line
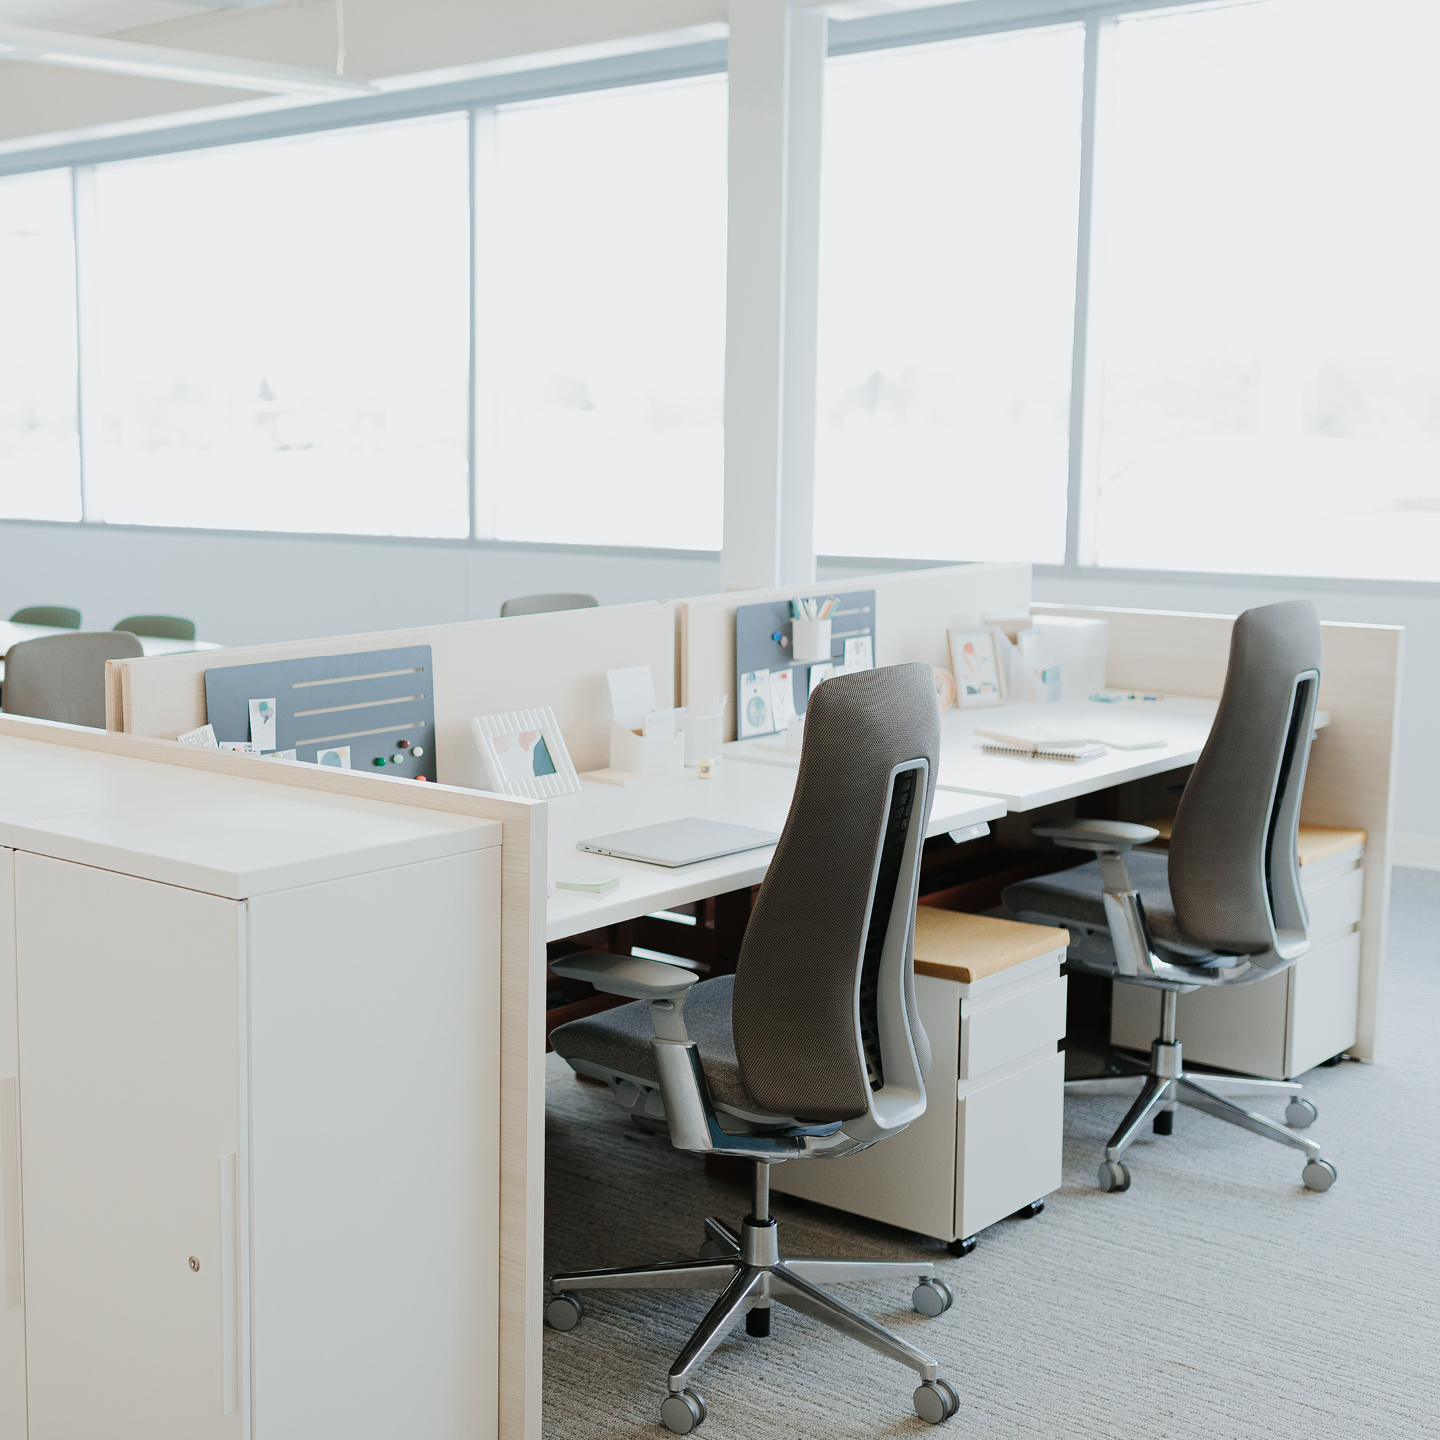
point(1352, 774)
point(914, 609)
point(481, 667)
point(522, 1001)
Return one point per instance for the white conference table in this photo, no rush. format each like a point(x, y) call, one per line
point(13, 634)
point(757, 795)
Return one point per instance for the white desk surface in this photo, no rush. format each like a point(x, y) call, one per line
point(756, 795)
point(1182, 722)
point(13, 634)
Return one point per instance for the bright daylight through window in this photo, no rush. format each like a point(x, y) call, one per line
point(1271, 298)
point(610, 304)
point(39, 440)
point(951, 177)
point(282, 334)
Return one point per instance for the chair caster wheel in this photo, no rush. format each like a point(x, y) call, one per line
point(757, 1321)
point(1030, 1211)
point(682, 1411)
point(961, 1247)
point(1114, 1176)
point(1164, 1123)
point(931, 1297)
point(1300, 1113)
point(936, 1401)
point(1318, 1175)
point(564, 1311)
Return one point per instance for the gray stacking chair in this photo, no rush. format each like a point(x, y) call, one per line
point(541, 604)
point(1224, 908)
point(812, 1050)
point(62, 677)
point(163, 627)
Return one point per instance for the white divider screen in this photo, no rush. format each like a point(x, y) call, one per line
point(481, 667)
point(913, 611)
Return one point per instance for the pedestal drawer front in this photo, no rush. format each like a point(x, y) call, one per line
point(998, 1031)
point(1334, 905)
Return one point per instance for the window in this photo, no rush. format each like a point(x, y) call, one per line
point(950, 190)
point(610, 328)
point(1271, 298)
point(39, 433)
point(282, 334)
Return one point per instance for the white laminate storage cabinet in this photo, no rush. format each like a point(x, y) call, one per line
point(12, 1314)
point(258, 1112)
point(990, 1140)
point(1281, 1027)
point(129, 1024)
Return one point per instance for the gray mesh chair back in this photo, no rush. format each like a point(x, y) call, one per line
point(62, 617)
point(164, 627)
point(62, 677)
point(541, 604)
point(824, 1014)
point(1234, 870)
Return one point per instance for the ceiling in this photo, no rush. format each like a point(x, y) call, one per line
point(105, 17)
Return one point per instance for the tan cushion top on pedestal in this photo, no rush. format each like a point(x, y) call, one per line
point(1314, 842)
point(951, 945)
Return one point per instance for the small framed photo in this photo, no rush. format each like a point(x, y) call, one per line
point(976, 664)
point(524, 754)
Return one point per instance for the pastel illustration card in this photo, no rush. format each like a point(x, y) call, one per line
point(262, 724)
point(755, 703)
point(337, 755)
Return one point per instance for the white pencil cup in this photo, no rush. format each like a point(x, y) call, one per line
point(810, 640)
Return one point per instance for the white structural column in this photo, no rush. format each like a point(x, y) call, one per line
point(777, 75)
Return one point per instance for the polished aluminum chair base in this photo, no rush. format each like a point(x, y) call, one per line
point(1167, 1083)
point(749, 1271)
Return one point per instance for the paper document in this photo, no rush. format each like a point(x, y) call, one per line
point(632, 694)
point(262, 724)
point(755, 704)
point(204, 737)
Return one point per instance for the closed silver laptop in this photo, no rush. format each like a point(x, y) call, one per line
point(679, 842)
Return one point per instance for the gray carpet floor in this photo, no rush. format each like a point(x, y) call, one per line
point(1216, 1300)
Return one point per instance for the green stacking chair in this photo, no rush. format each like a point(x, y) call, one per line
point(164, 627)
point(62, 617)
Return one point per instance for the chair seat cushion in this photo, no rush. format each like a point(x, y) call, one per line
point(619, 1040)
point(1075, 895)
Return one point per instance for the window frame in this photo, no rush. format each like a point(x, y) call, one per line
point(479, 97)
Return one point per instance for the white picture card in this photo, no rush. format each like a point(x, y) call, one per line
point(524, 753)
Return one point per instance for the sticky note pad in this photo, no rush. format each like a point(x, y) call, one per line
point(592, 883)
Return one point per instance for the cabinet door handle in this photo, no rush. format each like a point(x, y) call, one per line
point(9, 1193)
point(229, 1269)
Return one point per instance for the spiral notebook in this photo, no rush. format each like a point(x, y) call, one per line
point(1040, 745)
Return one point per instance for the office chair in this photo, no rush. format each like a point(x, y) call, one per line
point(1224, 908)
point(540, 604)
point(813, 1049)
point(62, 677)
point(163, 627)
point(61, 617)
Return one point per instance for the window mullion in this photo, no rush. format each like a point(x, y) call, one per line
point(1086, 380)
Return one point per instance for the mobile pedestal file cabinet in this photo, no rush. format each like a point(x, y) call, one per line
point(258, 1151)
point(1283, 1026)
point(992, 1000)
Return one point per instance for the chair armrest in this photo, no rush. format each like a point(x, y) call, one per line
point(628, 975)
point(1096, 835)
